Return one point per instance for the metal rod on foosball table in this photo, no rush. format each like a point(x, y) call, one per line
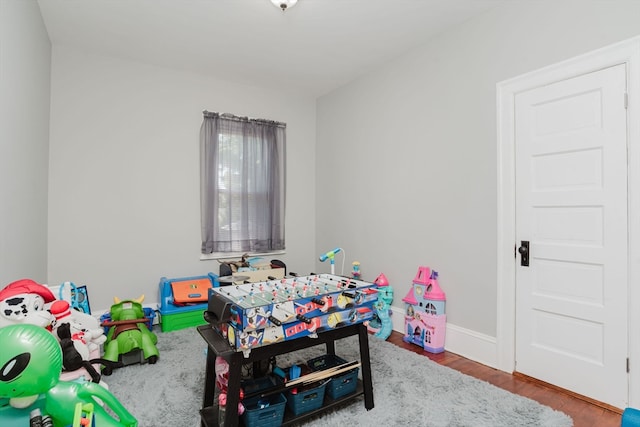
point(350, 282)
point(339, 285)
point(290, 291)
point(274, 319)
point(314, 287)
point(239, 299)
point(348, 289)
point(241, 294)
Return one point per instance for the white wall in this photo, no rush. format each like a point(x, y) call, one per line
point(124, 180)
point(410, 150)
point(25, 54)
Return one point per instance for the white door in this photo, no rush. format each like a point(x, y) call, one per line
point(571, 205)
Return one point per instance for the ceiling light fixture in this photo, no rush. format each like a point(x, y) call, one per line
point(284, 4)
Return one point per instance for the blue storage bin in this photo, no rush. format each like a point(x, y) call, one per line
point(340, 385)
point(264, 411)
point(305, 399)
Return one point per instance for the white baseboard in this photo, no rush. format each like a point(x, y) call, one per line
point(473, 345)
point(398, 319)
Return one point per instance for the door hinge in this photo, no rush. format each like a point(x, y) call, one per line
point(627, 365)
point(626, 100)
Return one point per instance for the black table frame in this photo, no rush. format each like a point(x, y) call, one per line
point(218, 346)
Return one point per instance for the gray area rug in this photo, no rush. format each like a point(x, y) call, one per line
point(409, 389)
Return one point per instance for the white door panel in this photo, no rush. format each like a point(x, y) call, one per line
point(571, 205)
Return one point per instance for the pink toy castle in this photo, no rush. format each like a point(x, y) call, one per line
point(425, 321)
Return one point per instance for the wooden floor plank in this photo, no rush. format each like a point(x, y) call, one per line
point(584, 413)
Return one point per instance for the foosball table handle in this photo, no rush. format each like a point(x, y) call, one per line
point(303, 318)
point(275, 321)
point(211, 317)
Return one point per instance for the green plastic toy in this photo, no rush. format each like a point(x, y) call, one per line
point(129, 340)
point(30, 367)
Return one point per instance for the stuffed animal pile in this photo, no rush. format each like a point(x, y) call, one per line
point(28, 302)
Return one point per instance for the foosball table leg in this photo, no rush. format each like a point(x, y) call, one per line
point(331, 347)
point(367, 382)
point(210, 386)
point(233, 391)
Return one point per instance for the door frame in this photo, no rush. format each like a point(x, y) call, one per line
point(625, 52)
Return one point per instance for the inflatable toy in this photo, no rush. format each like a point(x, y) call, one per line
point(23, 302)
point(30, 366)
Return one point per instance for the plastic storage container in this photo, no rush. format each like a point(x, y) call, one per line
point(307, 398)
point(264, 411)
point(340, 385)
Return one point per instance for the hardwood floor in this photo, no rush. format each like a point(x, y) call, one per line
point(584, 413)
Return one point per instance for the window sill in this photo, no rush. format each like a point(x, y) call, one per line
point(234, 255)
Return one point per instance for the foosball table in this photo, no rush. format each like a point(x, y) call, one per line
point(262, 313)
point(253, 322)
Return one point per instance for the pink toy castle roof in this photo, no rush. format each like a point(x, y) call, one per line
point(429, 278)
point(381, 280)
point(434, 293)
point(422, 276)
point(410, 298)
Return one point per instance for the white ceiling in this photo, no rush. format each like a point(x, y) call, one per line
point(312, 48)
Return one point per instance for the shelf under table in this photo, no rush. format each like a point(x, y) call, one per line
point(218, 346)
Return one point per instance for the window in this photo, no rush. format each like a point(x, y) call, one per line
point(242, 184)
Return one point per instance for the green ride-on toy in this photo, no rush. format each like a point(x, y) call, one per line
point(129, 340)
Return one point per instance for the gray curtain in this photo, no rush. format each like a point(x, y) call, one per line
point(242, 184)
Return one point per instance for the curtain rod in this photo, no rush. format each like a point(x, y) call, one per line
point(228, 116)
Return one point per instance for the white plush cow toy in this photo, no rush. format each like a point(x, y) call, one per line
point(23, 302)
point(85, 329)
